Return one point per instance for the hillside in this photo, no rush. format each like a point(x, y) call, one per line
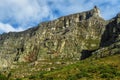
point(101, 69)
point(62, 38)
point(107, 68)
point(80, 46)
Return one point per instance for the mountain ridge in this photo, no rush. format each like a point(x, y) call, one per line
point(76, 36)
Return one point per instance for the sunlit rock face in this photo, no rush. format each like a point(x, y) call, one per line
point(110, 40)
point(63, 38)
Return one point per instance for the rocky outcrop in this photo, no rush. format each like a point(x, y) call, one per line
point(110, 41)
point(106, 51)
point(65, 37)
point(112, 32)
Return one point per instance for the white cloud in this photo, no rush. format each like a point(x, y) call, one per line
point(23, 12)
point(8, 28)
point(27, 13)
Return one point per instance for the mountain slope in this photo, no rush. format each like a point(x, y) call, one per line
point(101, 69)
point(107, 68)
point(63, 38)
point(43, 51)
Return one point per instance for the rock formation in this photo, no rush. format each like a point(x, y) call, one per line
point(110, 41)
point(64, 38)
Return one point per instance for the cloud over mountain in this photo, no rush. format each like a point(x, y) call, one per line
point(22, 14)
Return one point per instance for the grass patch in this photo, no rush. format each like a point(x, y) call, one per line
point(97, 69)
point(107, 68)
point(3, 77)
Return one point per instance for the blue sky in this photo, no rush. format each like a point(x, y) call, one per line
point(19, 15)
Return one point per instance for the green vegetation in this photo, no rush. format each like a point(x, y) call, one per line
point(100, 69)
point(2, 77)
point(51, 51)
point(107, 68)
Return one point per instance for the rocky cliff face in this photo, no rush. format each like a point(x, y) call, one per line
point(110, 41)
point(68, 37)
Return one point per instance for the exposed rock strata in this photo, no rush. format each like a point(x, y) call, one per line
point(65, 37)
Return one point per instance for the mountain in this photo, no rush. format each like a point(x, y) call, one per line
point(70, 38)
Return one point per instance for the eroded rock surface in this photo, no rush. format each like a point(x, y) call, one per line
point(65, 37)
point(110, 41)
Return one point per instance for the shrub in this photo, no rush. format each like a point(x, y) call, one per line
point(32, 77)
point(107, 75)
point(82, 74)
point(18, 79)
point(72, 77)
point(41, 75)
point(118, 73)
point(107, 69)
point(2, 77)
point(49, 78)
point(92, 69)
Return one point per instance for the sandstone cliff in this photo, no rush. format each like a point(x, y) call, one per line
point(75, 37)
